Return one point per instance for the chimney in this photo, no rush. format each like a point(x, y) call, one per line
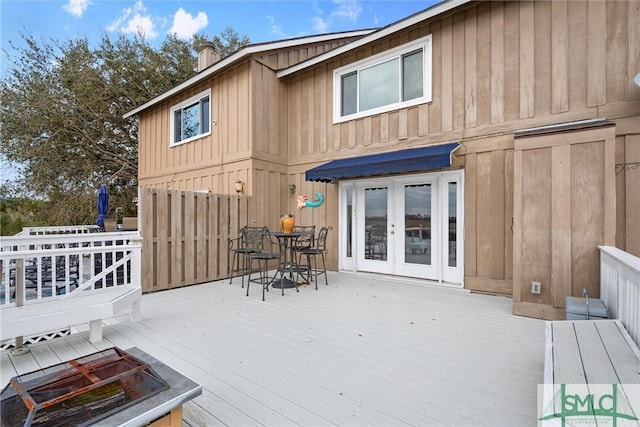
point(207, 56)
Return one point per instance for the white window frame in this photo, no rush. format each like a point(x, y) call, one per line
point(183, 104)
point(398, 52)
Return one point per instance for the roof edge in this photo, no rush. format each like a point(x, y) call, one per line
point(434, 10)
point(242, 53)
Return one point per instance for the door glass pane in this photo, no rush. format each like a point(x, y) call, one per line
point(375, 221)
point(417, 224)
point(349, 223)
point(379, 85)
point(453, 220)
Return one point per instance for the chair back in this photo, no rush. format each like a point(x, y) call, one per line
point(307, 238)
point(252, 237)
point(269, 244)
point(321, 242)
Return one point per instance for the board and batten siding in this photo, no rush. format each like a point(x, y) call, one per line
point(564, 208)
point(497, 67)
point(209, 163)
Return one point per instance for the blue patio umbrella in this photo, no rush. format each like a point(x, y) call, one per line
point(102, 205)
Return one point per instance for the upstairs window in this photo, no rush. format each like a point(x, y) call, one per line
point(394, 79)
point(191, 119)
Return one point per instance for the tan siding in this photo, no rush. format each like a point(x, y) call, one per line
point(632, 195)
point(564, 210)
point(483, 57)
point(633, 48)
point(446, 60)
point(561, 224)
point(496, 46)
point(490, 214)
point(508, 213)
point(470, 67)
point(559, 56)
point(458, 73)
point(536, 220)
point(587, 215)
point(527, 54)
point(542, 59)
point(471, 220)
point(616, 27)
point(290, 56)
point(621, 190)
point(267, 131)
point(493, 64)
point(577, 53)
point(435, 107)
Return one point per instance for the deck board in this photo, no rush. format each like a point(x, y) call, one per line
point(364, 350)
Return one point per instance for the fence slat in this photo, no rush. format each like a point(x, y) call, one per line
point(202, 239)
point(189, 218)
point(164, 241)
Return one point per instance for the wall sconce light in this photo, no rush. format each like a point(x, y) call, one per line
point(238, 186)
point(292, 188)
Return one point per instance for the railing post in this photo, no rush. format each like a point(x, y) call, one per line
point(136, 273)
point(20, 289)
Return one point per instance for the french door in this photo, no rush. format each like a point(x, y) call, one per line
point(406, 226)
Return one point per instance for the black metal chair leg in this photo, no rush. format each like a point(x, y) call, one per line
point(324, 269)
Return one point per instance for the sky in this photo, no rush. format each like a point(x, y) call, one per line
point(260, 20)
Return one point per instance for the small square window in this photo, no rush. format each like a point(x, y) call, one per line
point(191, 119)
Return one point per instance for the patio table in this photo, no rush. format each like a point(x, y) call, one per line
point(286, 242)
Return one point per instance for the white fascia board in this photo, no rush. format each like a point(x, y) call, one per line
point(247, 51)
point(435, 10)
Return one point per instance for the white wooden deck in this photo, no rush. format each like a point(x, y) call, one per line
point(362, 351)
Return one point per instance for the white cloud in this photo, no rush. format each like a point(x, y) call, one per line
point(185, 25)
point(134, 20)
point(320, 25)
point(348, 9)
point(76, 7)
point(275, 28)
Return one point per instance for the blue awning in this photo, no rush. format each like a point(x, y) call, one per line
point(401, 161)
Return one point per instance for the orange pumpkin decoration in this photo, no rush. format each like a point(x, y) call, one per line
point(287, 222)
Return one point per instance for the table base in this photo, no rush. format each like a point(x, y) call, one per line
point(283, 283)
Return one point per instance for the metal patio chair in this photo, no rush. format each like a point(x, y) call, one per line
point(271, 250)
point(317, 251)
point(304, 241)
point(250, 241)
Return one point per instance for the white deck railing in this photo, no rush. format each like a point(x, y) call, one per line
point(620, 287)
point(44, 269)
point(58, 229)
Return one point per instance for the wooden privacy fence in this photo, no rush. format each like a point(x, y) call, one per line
point(185, 236)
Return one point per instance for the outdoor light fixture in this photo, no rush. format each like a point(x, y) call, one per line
point(238, 186)
point(292, 188)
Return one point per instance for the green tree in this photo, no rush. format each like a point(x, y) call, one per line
point(61, 108)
